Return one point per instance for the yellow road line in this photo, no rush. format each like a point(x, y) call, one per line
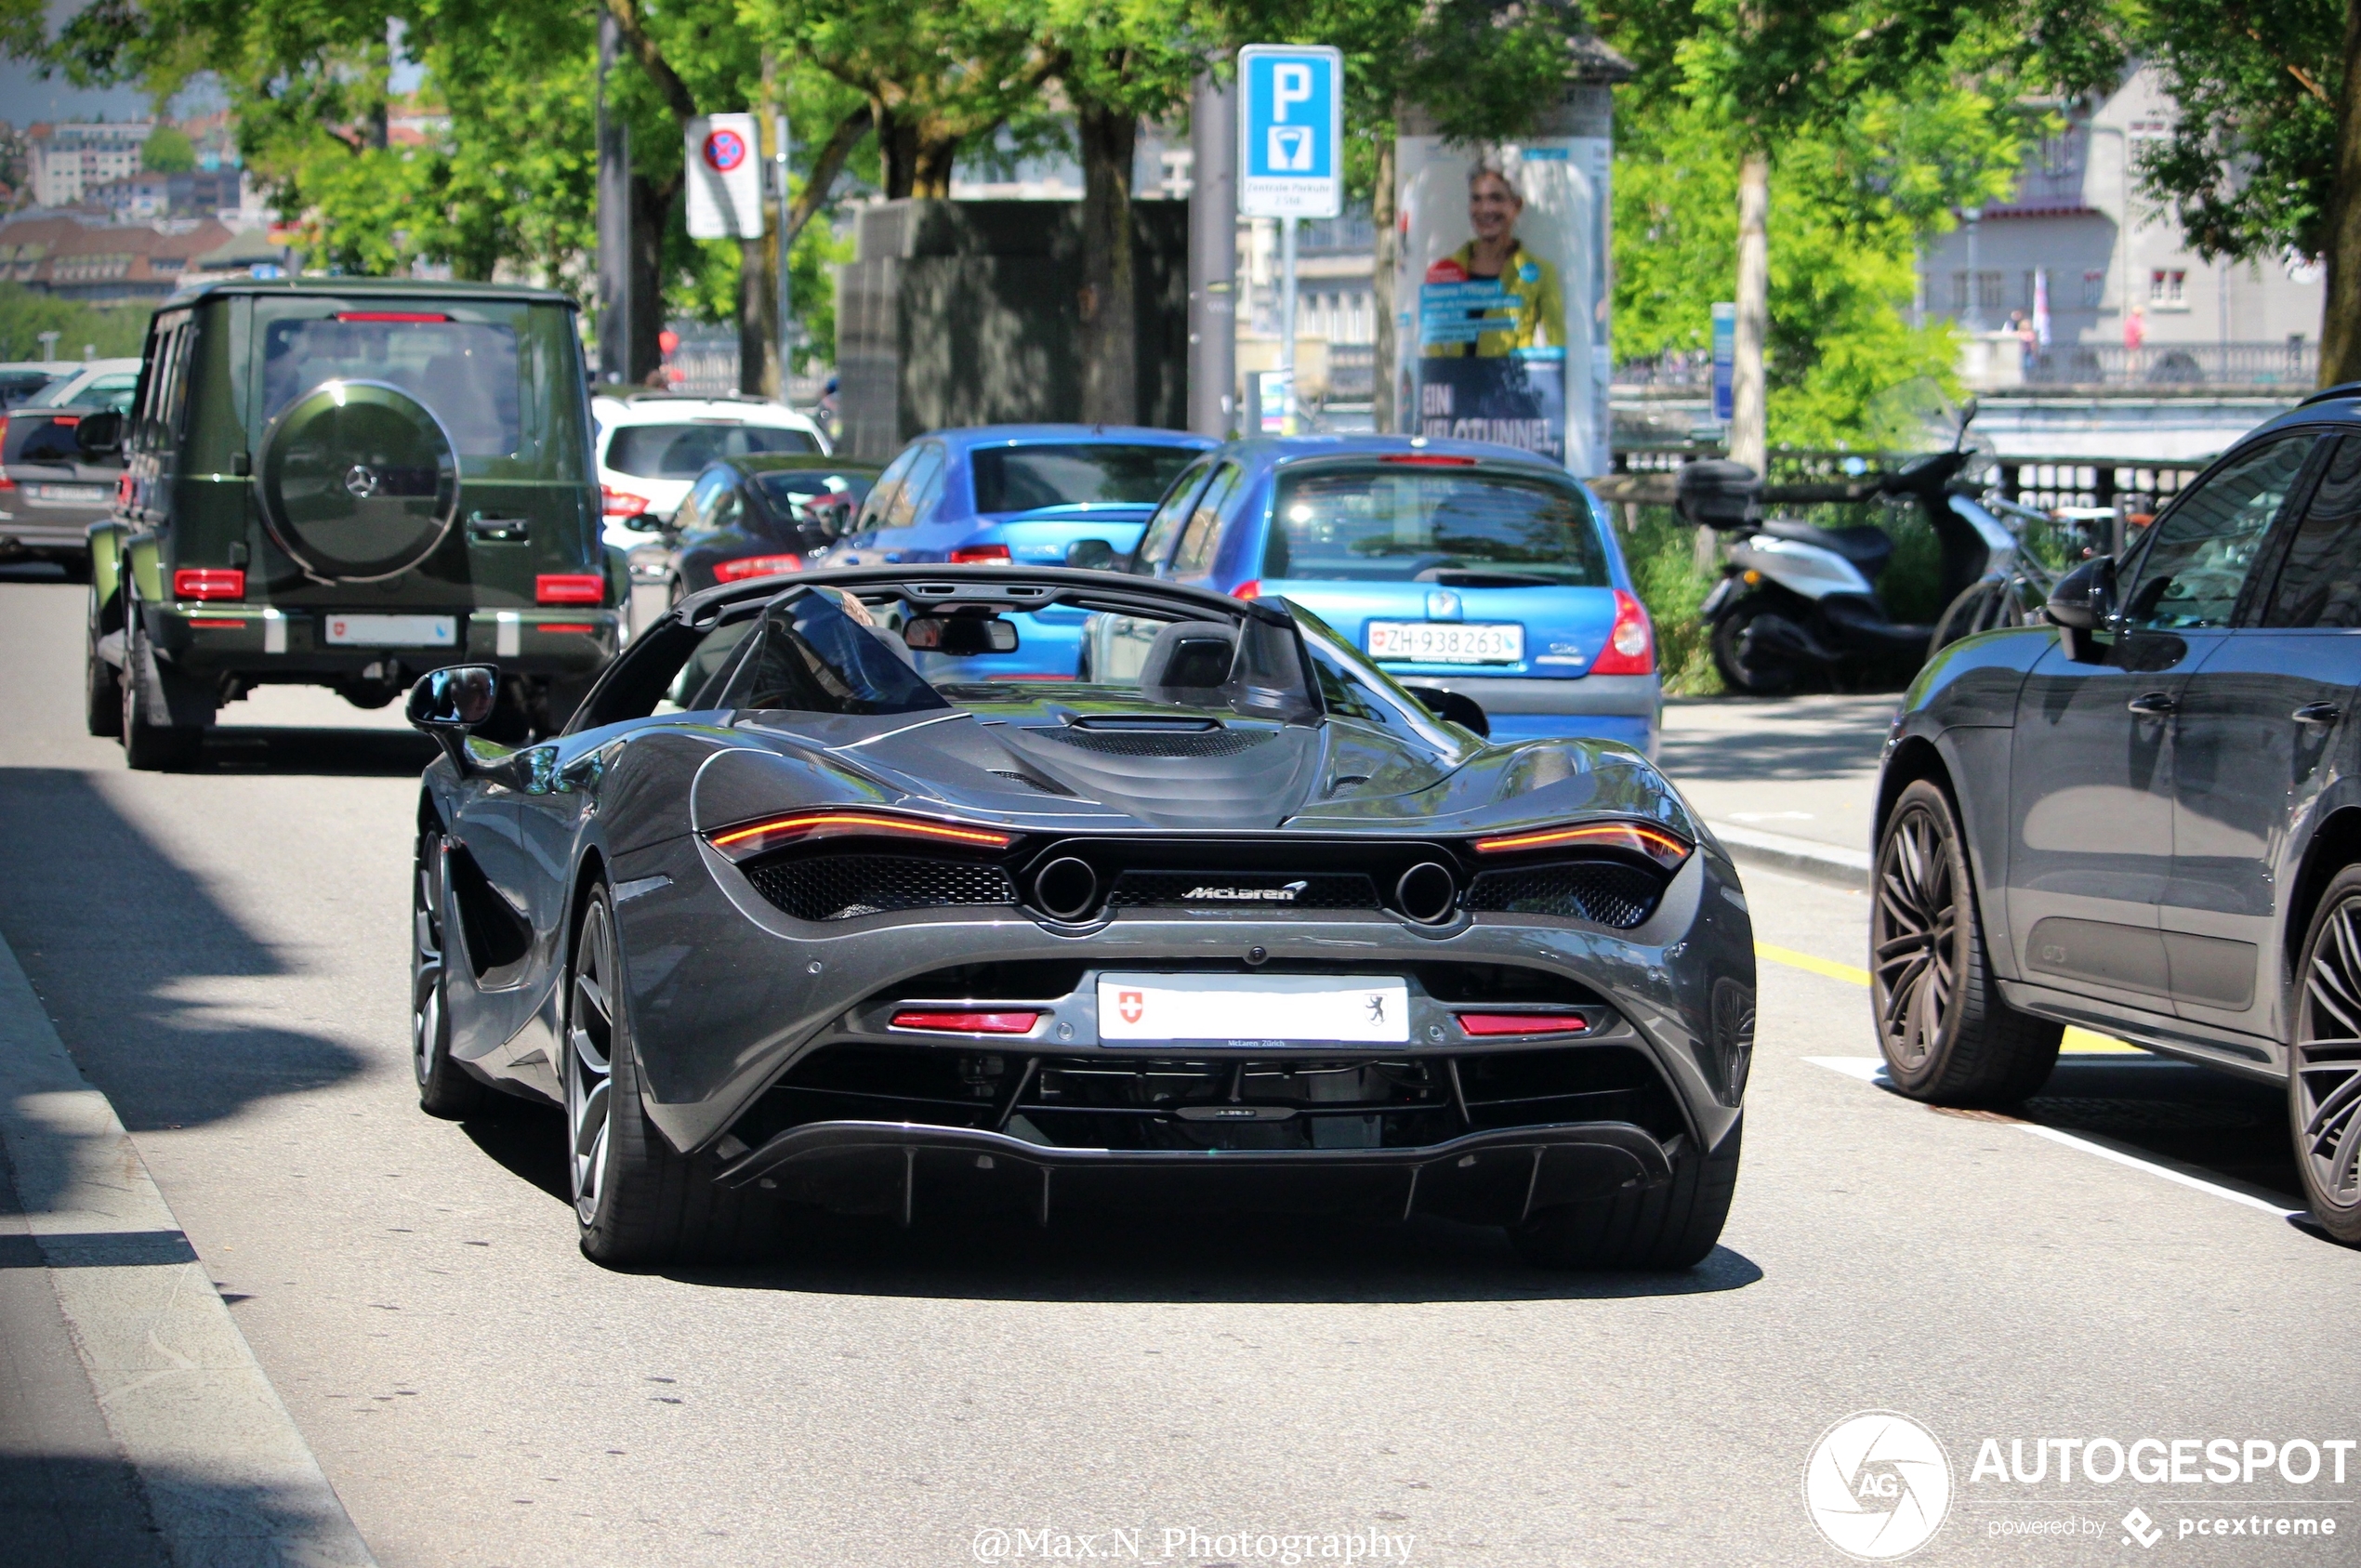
point(2078, 1041)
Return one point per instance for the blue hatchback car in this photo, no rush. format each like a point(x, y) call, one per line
point(1477, 570)
point(1054, 494)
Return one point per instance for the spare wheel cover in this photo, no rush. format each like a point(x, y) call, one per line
point(360, 481)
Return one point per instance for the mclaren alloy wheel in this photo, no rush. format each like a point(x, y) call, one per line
point(444, 1087)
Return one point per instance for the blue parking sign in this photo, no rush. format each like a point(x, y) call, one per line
point(1290, 131)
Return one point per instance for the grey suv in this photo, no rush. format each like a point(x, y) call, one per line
point(2144, 816)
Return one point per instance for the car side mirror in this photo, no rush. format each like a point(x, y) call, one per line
point(1453, 708)
point(449, 702)
point(98, 435)
point(2083, 602)
point(1090, 555)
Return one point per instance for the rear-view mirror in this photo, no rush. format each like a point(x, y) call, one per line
point(448, 702)
point(1453, 708)
point(98, 435)
point(959, 637)
point(1090, 555)
point(2084, 601)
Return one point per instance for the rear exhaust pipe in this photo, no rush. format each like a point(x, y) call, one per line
point(1427, 893)
point(1066, 889)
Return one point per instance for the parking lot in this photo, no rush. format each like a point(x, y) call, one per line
point(223, 952)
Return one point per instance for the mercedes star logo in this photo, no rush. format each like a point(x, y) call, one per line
point(361, 481)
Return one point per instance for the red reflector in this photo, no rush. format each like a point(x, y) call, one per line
point(980, 555)
point(1250, 590)
point(583, 627)
point(209, 582)
point(1428, 460)
point(569, 588)
point(391, 316)
point(756, 566)
point(968, 1023)
point(1522, 1023)
point(65, 421)
point(1631, 646)
point(620, 503)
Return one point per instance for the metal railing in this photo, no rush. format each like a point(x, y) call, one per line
point(2289, 364)
point(2134, 487)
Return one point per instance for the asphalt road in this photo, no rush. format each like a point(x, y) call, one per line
point(224, 952)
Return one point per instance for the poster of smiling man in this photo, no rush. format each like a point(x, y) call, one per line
point(1502, 294)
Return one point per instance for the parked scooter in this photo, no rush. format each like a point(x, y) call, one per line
point(1796, 600)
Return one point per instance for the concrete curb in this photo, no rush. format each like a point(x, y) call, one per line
point(229, 1481)
point(1826, 862)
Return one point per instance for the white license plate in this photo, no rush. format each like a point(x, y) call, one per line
point(79, 495)
point(1254, 1010)
point(392, 631)
point(1446, 643)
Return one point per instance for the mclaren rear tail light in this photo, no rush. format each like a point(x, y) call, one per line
point(1654, 842)
point(756, 566)
point(1631, 646)
point(744, 841)
point(980, 555)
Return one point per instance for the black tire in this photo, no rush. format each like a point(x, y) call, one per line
point(638, 1203)
point(1673, 1226)
point(1756, 676)
point(149, 746)
point(2324, 1060)
point(1945, 1032)
point(101, 683)
point(445, 1089)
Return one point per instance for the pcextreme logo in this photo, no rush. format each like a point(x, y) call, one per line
point(1877, 1484)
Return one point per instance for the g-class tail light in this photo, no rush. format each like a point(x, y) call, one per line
point(756, 566)
point(570, 587)
point(209, 582)
point(1631, 646)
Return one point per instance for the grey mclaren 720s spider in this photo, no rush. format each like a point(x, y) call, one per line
point(792, 913)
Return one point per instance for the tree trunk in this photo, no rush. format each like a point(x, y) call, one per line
point(897, 151)
point(651, 211)
point(1382, 412)
point(1749, 440)
point(931, 172)
point(1110, 332)
point(2341, 305)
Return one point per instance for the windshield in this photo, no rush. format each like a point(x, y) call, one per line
point(464, 371)
point(682, 451)
point(111, 390)
point(1406, 523)
point(1023, 479)
point(807, 655)
point(796, 487)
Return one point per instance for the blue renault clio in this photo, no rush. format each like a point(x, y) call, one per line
point(1034, 494)
point(1473, 571)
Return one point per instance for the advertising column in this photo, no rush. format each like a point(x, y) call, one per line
point(1503, 290)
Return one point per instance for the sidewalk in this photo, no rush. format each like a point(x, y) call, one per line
point(135, 1428)
point(1790, 780)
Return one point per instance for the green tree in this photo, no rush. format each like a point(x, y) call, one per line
point(115, 331)
point(167, 150)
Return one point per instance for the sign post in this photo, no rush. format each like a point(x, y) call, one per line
point(1290, 157)
point(725, 177)
point(1725, 361)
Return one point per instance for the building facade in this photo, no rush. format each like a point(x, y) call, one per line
point(70, 160)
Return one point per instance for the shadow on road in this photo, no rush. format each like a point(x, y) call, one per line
point(1742, 739)
point(318, 753)
point(123, 944)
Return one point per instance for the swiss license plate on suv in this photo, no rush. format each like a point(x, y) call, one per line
point(1446, 643)
point(392, 631)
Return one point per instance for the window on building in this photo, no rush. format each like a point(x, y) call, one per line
point(1958, 291)
point(2169, 288)
point(1988, 291)
point(2094, 289)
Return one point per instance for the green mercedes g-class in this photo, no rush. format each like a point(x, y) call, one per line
point(346, 483)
